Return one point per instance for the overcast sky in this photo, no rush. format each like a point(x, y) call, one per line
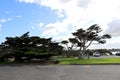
point(59, 18)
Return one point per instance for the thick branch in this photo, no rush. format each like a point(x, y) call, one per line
point(89, 44)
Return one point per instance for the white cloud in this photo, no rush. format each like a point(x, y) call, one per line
point(9, 19)
point(81, 14)
point(60, 13)
point(114, 43)
point(59, 38)
point(114, 28)
point(2, 21)
point(18, 16)
point(99, 11)
point(5, 20)
point(54, 29)
point(41, 24)
point(0, 26)
point(84, 3)
point(27, 1)
point(33, 27)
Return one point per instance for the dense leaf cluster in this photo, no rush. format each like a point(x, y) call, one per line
point(26, 47)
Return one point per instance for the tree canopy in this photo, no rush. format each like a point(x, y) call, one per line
point(31, 47)
point(84, 38)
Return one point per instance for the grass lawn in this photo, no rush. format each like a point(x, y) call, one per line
point(89, 61)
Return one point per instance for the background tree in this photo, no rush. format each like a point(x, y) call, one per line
point(66, 48)
point(70, 46)
point(65, 42)
point(73, 42)
point(86, 37)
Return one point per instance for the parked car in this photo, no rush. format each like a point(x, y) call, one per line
point(96, 54)
point(117, 54)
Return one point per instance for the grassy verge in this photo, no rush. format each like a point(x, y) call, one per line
point(89, 61)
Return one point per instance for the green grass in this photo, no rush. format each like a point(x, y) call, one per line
point(89, 61)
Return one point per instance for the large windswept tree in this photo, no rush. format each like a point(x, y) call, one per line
point(31, 47)
point(86, 37)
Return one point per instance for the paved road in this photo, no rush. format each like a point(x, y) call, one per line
point(60, 72)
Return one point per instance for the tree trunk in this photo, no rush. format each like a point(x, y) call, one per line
point(88, 56)
point(81, 54)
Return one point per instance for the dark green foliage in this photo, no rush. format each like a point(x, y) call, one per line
point(29, 48)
